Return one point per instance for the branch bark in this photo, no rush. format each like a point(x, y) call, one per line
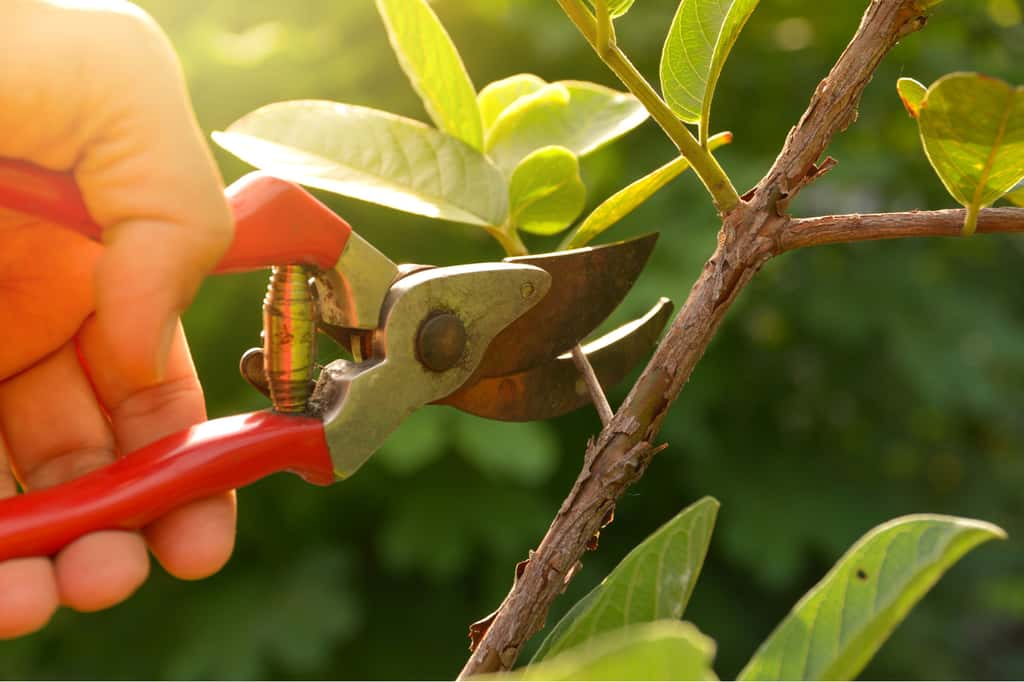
point(840, 229)
point(753, 232)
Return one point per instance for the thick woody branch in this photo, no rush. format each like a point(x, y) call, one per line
point(750, 235)
point(840, 229)
point(833, 107)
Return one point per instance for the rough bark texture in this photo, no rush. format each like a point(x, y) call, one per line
point(751, 234)
point(841, 229)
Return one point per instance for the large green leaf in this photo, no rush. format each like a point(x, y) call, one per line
point(972, 128)
point(698, 43)
point(430, 60)
point(662, 650)
point(371, 155)
point(497, 96)
point(653, 582)
point(572, 114)
point(911, 94)
point(616, 8)
point(545, 192)
point(837, 627)
point(619, 205)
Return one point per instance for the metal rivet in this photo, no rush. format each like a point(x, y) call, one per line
point(441, 341)
point(527, 290)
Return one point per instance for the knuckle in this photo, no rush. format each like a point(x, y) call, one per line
point(129, 24)
point(124, 43)
point(65, 467)
point(173, 397)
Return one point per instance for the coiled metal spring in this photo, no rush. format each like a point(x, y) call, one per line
point(289, 337)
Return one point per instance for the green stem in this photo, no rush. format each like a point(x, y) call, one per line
point(508, 237)
point(703, 162)
point(605, 38)
point(970, 220)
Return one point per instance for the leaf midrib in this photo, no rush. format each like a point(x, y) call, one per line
point(990, 161)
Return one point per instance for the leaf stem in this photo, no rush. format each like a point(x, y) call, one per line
point(970, 220)
point(704, 163)
point(508, 236)
point(605, 28)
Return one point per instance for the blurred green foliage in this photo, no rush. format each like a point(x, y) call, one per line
point(847, 386)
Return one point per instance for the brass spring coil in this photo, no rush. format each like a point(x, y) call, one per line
point(289, 337)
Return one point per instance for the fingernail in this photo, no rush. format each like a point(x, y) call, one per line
point(163, 349)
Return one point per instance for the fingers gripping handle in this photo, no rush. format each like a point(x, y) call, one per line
point(276, 221)
point(213, 457)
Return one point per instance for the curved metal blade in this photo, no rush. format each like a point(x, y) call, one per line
point(556, 387)
point(586, 286)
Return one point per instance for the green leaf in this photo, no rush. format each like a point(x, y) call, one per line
point(371, 155)
point(972, 128)
point(662, 650)
point(546, 193)
point(497, 96)
point(653, 582)
point(616, 8)
point(578, 116)
point(619, 205)
point(837, 627)
point(912, 94)
point(698, 43)
point(430, 60)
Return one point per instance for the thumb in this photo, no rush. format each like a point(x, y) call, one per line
point(96, 86)
point(148, 177)
point(146, 277)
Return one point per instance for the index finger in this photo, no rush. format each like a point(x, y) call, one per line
point(196, 539)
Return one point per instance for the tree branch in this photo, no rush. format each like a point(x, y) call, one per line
point(839, 229)
point(751, 234)
point(833, 107)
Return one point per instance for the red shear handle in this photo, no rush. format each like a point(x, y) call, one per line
point(276, 221)
point(210, 458)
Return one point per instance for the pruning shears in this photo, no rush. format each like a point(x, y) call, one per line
point(492, 339)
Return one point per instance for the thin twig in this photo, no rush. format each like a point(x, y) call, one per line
point(604, 409)
point(750, 236)
point(857, 227)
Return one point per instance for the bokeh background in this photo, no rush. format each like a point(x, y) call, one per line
point(848, 385)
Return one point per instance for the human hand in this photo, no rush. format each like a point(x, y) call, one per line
point(94, 362)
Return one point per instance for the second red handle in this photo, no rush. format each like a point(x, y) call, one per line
point(209, 458)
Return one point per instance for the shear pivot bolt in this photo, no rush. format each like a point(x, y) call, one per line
point(441, 341)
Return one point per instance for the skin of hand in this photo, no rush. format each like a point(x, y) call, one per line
point(93, 363)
